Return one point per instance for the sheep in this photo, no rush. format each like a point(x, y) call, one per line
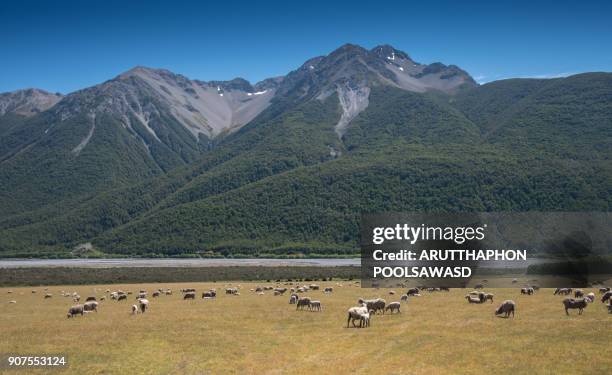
point(355, 313)
point(404, 298)
point(314, 287)
point(507, 307)
point(74, 310)
point(571, 303)
point(48, 295)
point(412, 292)
point(328, 290)
point(303, 302)
point(144, 304)
point(233, 291)
point(315, 306)
point(155, 294)
point(488, 296)
point(135, 309)
point(141, 295)
point(472, 299)
point(209, 294)
point(293, 299)
point(604, 289)
point(279, 291)
point(393, 306)
point(528, 291)
point(13, 301)
point(392, 292)
point(377, 304)
point(168, 292)
point(90, 306)
point(189, 295)
point(364, 320)
point(76, 298)
point(188, 290)
point(563, 291)
point(360, 313)
point(607, 296)
point(122, 297)
point(90, 298)
point(590, 297)
point(103, 298)
point(578, 293)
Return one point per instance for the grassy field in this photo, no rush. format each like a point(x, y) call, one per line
point(438, 333)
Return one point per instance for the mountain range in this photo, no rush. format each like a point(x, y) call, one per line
point(152, 163)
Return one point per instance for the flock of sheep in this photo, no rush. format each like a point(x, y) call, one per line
point(362, 313)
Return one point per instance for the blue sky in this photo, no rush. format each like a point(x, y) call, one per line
point(64, 46)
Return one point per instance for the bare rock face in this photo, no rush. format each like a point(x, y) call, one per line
point(350, 72)
point(27, 102)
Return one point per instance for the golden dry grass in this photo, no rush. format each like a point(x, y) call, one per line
point(438, 333)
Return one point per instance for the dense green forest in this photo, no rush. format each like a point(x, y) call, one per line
point(286, 185)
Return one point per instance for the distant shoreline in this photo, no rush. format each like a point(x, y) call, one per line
point(176, 262)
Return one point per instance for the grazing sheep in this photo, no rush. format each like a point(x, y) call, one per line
point(514, 281)
point(328, 290)
point(607, 296)
point(404, 298)
point(528, 291)
point(144, 304)
point(77, 298)
point(188, 290)
point(122, 297)
point(376, 305)
point(314, 287)
point(90, 306)
point(293, 299)
point(303, 302)
point(189, 295)
point(135, 310)
point(48, 295)
point(472, 299)
point(355, 313)
point(590, 297)
point(393, 306)
point(90, 298)
point(168, 292)
point(75, 310)
point(604, 289)
point(578, 293)
point(141, 295)
point(507, 307)
point(155, 294)
point(563, 291)
point(232, 291)
point(315, 306)
point(488, 297)
point(392, 292)
point(412, 292)
point(209, 294)
point(279, 291)
point(570, 303)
